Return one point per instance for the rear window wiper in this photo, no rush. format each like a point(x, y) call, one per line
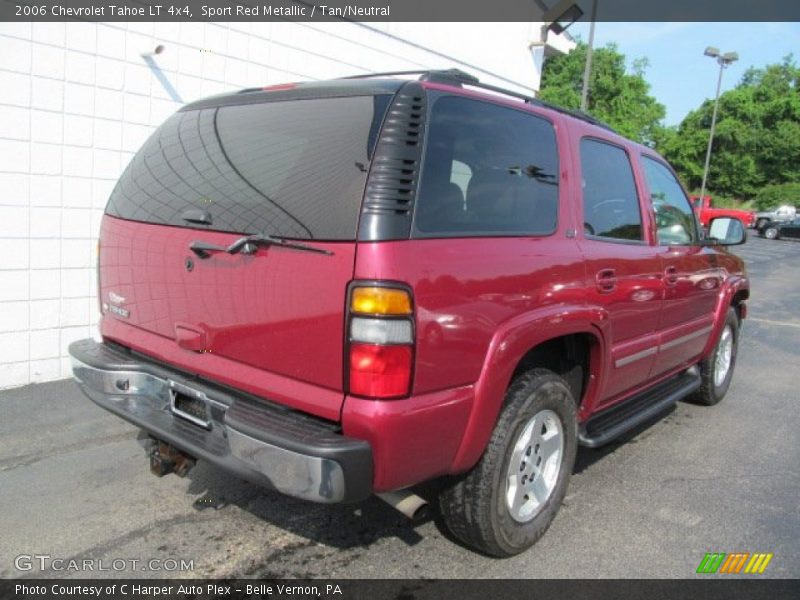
point(249, 244)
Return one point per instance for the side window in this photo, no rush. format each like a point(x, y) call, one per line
point(488, 171)
point(675, 220)
point(610, 203)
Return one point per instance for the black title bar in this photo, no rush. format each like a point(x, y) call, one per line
point(397, 10)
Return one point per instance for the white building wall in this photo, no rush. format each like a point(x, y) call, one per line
point(78, 99)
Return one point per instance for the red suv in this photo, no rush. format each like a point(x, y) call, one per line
point(349, 287)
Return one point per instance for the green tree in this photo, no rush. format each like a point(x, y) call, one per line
point(777, 195)
point(757, 140)
point(616, 96)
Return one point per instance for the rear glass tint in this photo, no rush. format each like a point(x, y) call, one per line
point(489, 171)
point(294, 168)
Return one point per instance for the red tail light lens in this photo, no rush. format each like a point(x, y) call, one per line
point(380, 371)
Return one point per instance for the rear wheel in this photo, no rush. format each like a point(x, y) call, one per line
point(716, 371)
point(508, 500)
point(771, 233)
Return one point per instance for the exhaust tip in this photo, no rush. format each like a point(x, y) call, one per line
point(409, 504)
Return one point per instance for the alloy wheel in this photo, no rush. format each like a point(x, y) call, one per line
point(534, 466)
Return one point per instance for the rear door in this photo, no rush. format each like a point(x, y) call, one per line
point(292, 168)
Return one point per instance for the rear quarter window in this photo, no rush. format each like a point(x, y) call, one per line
point(294, 168)
point(488, 170)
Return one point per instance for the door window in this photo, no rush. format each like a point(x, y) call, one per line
point(610, 202)
point(675, 219)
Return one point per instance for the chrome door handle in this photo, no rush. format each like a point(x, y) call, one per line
point(671, 275)
point(606, 280)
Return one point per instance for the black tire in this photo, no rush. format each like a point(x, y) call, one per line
point(772, 233)
point(474, 508)
point(761, 223)
point(711, 393)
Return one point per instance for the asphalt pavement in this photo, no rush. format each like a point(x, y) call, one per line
point(74, 484)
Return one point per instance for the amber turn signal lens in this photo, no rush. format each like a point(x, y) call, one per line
point(380, 301)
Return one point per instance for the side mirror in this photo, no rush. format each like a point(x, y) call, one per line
point(727, 231)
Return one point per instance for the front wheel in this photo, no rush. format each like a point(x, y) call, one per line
point(716, 371)
point(761, 223)
point(771, 233)
point(508, 500)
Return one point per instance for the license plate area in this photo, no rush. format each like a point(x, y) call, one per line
point(190, 404)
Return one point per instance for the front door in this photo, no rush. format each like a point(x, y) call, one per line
point(692, 277)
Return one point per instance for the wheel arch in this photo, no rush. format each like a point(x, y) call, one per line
point(569, 356)
point(740, 296)
point(735, 291)
point(569, 342)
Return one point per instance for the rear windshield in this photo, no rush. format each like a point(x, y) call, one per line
point(292, 168)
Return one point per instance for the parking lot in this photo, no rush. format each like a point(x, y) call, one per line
point(74, 483)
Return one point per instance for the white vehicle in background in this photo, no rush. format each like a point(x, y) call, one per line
point(782, 214)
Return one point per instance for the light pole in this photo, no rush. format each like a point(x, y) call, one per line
point(724, 60)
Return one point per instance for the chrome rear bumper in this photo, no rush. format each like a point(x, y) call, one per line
point(291, 452)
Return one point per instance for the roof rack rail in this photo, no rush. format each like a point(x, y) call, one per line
point(578, 114)
point(459, 77)
point(453, 76)
point(386, 74)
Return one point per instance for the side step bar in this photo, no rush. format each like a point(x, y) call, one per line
point(608, 425)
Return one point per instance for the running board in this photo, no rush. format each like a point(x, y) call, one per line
point(608, 425)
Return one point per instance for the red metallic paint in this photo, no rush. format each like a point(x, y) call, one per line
point(413, 439)
point(279, 312)
point(462, 296)
point(297, 394)
point(273, 324)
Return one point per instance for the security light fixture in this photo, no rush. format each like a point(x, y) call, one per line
point(563, 14)
point(155, 51)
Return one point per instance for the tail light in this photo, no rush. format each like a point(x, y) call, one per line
point(381, 341)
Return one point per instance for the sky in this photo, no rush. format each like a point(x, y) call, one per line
point(680, 76)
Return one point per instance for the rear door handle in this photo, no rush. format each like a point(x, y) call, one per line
point(671, 275)
point(606, 280)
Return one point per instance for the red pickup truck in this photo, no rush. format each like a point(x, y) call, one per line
point(345, 288)
point(705, 212)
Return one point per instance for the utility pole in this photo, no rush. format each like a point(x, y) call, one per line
point(587, 69)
